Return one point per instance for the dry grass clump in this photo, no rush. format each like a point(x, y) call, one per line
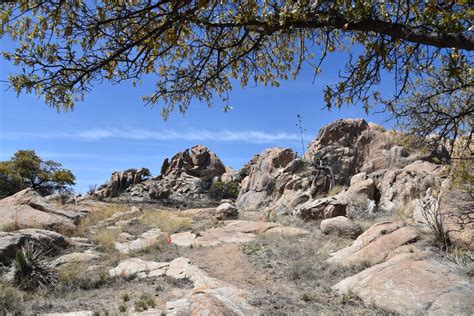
point(96, 215)
point(10, 227)
point(144, 302)
point(79, 276)
point(106, 238)
point(10, 299)
point(336, 190)
point(462, 257)
point(167, 221)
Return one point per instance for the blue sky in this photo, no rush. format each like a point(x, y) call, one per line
point(113, 130)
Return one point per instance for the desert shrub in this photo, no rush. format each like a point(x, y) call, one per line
point(25, 169)
point(220, 190)
point(78, 276)
point(461, 256)
point(126, 297)
point(30, 271)
point(10, 298)
point(180, 283)
point(105, 238)
point(96, 215)
point(144, 302)
point(167, 221)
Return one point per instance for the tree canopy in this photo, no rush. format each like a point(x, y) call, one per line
point(25, 169)
point(200, 49)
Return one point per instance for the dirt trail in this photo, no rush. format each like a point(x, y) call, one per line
point(227, 263)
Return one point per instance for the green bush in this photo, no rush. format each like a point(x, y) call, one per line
point(220, 190)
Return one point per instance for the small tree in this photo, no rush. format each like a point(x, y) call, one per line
point(27, 170)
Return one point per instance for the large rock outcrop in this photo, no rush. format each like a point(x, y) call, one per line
point(278, 181)
point(120, 181)
point(379, 174)
point(350, 146)
point(187, 177)
point(184, 180)
point(28, 209)
point(201, 163)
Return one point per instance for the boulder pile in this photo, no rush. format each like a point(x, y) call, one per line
point(362, 160)
point(184, 180)
point(120, 181)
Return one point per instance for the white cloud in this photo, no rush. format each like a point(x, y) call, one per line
point(246, 136)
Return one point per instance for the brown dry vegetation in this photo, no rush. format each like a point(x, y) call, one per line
point(97, 214)
point(304, 278)
point(167, 221)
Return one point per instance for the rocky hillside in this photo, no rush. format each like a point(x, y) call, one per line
point(185, 180)
point(320, 234)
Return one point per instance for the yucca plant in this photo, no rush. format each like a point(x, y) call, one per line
point(30, 271)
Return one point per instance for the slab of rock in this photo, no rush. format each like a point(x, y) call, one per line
point(35, 200)
point(10, 242)
point(413, 284)
point(81, 242)
point(139, 268)
point(147, 239)
point(226, 211)
point(341, 226)
point(184, 239)
point(76, 257)
point(351, 146)
point(27, 209)
point(209, 296)
point(237, 231)
point(24, 216)
point(229, 175)
point(376, 244)
point(321, 209)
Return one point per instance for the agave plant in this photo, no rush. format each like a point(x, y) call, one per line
point(30, 271)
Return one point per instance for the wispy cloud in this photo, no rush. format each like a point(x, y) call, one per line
point(247, 136)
